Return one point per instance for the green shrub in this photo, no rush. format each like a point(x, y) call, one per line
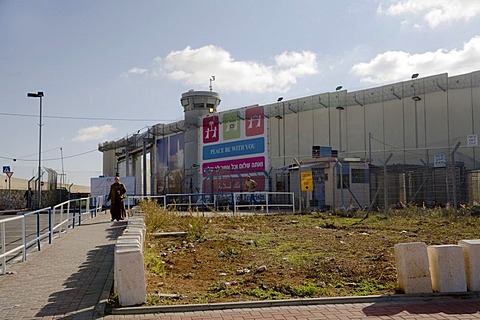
point(308, 289)
point(368, 287)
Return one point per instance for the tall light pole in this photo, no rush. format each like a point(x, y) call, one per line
point(415, 98)
point(339, 108)
point(62, 181)
point(39, 187)
point(278, 117)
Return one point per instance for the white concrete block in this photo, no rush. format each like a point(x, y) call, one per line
point(131, 245)
point(471, 251)
point(447, 267)
point(135, 231)
point(130, 276)
point(136, 221)
point(129, 273)
point(130, 238)
point(412, 267)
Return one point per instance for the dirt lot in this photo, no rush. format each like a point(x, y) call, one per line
point(255, 257)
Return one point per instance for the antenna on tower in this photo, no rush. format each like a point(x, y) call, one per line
point(211, 79)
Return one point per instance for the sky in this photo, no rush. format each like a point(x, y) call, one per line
point(112, 68)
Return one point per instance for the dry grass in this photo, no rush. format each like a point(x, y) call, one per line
point(254, 257)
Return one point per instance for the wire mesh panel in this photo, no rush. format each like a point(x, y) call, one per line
point(423, 177)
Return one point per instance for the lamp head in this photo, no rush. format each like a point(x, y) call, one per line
point(35, 95)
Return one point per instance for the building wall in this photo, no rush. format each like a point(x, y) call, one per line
point(377, 120)
point(381, 123)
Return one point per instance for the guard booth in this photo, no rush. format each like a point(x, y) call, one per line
point(329, 183)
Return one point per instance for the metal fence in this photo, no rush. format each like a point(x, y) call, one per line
point(21, 233)
point(220, 202)
point(426, 177)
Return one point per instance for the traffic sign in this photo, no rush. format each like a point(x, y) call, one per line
point(6, 169)
point(307, 181)
point(9, 174)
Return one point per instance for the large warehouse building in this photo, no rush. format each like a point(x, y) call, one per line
point(414, 141)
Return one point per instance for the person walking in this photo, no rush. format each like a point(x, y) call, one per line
point(251, 186)
point(28, 197)
point(116, 195)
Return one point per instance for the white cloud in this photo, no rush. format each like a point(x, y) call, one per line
point(399, 65)
point(93, 133)
point(434, 12)
point(138, 71)
point(196, 66)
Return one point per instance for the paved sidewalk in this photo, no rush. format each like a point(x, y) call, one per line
point(69, 279)
point(446, 309)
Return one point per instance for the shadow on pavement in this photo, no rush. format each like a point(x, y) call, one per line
point(447, 307)
point(83, 290)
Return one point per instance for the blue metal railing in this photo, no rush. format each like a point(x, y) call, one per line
point(71, 212)
point(132, 200)
point(58, 219)
point(25, 243)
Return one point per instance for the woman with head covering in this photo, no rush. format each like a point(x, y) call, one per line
point(116, 196)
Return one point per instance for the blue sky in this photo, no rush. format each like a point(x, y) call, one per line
point(109, 68)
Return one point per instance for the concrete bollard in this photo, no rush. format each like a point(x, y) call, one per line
point(129, 272)
point(447, 268)
point(471, 251)
point(131, 287)
point(412, 267)
point(123, 243)
point(135, 232)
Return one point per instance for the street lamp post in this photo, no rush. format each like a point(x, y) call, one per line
point(340, 151)
point(339, 108)
point(39, 187)
point(415, 98)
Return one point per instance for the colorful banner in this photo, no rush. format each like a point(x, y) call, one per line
point(224, 184)
point(255, 164)
point(211, 129)
point(231, 126)
point(234, 149)
point(254, 121)
point(170, 164)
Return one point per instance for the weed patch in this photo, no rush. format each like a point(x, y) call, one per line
point(258, 257)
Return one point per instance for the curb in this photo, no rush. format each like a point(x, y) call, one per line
point(101, 307)
point(294, 302)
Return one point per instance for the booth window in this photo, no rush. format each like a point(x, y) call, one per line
point(359, 176)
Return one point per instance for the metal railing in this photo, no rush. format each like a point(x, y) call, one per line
point(25, 243)
point(191, 201)
point(265, 202)
point(132, 200)
point(49, 221)
point(71, 212)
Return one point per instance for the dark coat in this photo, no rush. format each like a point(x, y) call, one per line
point(116, 196)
